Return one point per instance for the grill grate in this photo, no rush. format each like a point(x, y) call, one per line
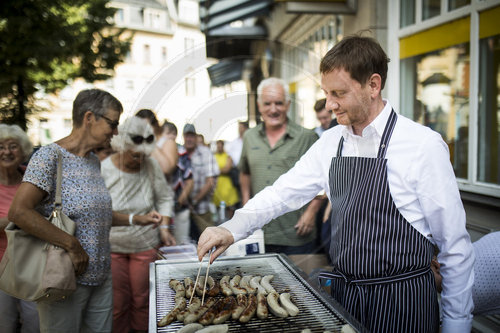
point(315, 314)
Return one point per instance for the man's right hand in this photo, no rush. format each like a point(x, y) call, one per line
point(219, 237)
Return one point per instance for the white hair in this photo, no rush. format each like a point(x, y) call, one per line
point(131, 127)
point(272, 81)
point(16, 133)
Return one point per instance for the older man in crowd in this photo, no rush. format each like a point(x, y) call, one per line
point(269, 150)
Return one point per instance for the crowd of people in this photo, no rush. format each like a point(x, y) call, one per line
point(131, 189)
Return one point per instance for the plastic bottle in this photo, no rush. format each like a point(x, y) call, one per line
point(222, 212)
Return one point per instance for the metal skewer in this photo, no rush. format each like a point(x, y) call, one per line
point(206, 276)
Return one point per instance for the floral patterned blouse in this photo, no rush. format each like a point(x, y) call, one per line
point(85, 200)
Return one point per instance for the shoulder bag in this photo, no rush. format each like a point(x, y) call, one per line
point(34, 270)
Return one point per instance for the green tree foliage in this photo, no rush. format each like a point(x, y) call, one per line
point(45, 44)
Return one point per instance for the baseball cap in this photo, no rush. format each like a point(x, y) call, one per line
point(189, 128)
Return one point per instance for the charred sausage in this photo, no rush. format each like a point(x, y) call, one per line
point(209, 316)
point(234, 285)
point(195, 315)
point(189, 286)
point(180, 304)
point(262, 311)
point(250, 310)
point(178, 287)
point(193, 306)
point(224, 285)
point(227, 309)
point(241, 301)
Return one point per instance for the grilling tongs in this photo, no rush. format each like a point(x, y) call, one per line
point(206, 278)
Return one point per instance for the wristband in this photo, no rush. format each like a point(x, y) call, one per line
point(130, 219)
point(165, 226)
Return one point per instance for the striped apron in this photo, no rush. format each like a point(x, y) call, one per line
point(381, 264)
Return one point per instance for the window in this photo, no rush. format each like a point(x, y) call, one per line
point(430, 8)
point(406, 13)
point(437, 65)
point(489, 111)
point(136, 15)
point(440, 84)
point(119, 16)
point(147, 55)
point(454, 4)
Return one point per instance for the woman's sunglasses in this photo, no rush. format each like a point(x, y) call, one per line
point(137, 139)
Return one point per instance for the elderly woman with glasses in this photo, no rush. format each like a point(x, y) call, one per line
point(137, 187)
point(15, 148)
point(85, 200)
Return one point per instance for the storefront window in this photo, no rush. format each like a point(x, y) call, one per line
point(430, 8)
point(435, 93)
point(407, 13)
point(489, 111)
point(454, 4)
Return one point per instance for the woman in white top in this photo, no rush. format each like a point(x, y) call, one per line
point(137, 187)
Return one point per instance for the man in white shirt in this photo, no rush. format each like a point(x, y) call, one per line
point(394, 197)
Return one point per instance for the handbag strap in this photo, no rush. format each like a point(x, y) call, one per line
point(58, 199)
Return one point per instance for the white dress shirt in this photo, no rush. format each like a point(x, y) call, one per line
point(423, 187)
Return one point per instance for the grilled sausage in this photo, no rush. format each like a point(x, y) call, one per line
point(209, 316)
point(255, 283)
point(287, 304)
point(276, 309)
point(213, 287)
point(225, 313)
point(199, 286)
point(178, 287)
point(189, 286)
point(250, 310)
point(191, 328)
point(215, 329)
point(262, 311)
point(266, 283)
point(193, 306)
point(234, 285)
point(180, 304)
point(224, 285)
point(195, 315)
point(245, 283)
point(241, 301)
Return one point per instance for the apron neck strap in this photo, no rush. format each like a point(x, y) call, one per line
point(386, 136)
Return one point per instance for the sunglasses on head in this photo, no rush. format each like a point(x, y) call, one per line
point(137, 139)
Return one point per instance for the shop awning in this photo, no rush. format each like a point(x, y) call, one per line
point(215, 14)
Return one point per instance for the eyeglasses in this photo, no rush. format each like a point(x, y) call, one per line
point(113, 124)
point(137, 139)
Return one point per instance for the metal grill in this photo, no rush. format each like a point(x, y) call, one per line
point(316, 312)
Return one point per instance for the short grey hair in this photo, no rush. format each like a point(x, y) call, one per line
point(15, 132)
point(96, 101)
point(272, 81)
